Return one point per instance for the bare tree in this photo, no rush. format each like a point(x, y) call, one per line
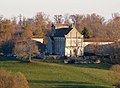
point(66, 18)
point(26, 49)
point(113, 28)
point(58, 19)
point(93, 22)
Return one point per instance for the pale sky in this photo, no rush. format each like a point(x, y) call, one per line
point(28, 8)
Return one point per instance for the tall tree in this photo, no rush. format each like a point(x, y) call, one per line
point(93, 22)
point(113, 28)
point(40, 24)
point(6, 29)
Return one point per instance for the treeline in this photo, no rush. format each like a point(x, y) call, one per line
point(15, 35)
point(14, 31)
point(97, 26)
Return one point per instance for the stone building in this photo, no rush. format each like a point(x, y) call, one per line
point(65, 40)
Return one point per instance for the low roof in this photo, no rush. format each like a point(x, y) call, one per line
point(98, 40)
point(37, 37)
point(61, 26)
point(58, 26)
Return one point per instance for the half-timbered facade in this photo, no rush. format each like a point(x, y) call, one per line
point(65, 41)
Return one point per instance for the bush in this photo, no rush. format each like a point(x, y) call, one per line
point(54, 59)
point(115, 68)
point(12, 80)
point(71, 62)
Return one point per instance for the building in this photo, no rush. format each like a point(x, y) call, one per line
point(65, 40)
point(97, 45)
point(38, 39)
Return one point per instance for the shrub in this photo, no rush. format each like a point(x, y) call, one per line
point(115, 68)
point(54, 59)
point(12, 80)
point(71, 61)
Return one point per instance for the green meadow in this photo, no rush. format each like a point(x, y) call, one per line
point(53, 75)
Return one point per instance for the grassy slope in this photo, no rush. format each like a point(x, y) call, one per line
point(48, 75)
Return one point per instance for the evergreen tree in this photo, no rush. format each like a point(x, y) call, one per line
point(85, 33)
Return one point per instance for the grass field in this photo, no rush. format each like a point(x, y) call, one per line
point(49, 75)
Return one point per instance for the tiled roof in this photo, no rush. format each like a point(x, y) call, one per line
point(37, 37)
point(58, 26)
point(61, 25)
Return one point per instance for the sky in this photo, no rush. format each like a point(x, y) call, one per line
point(28, 8)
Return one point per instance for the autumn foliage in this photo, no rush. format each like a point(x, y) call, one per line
point(94, 26)
point(12, 80)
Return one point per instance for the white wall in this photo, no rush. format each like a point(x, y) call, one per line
point(74, 44)
point(105, 47)
point(38, 39)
